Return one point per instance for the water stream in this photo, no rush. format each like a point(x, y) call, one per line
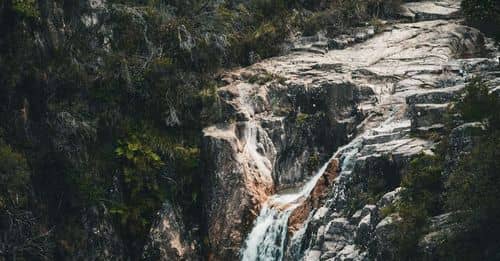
point(266, 241)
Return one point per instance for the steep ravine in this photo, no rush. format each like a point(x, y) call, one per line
point(284, 116)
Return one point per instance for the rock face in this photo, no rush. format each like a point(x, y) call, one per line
point(318, 194)
point(381, 96)
point(272, 134)
point(238, 181)
point(426, 73)
point(431, 10)
point(102, 239)
point(167, 238)
point(441, 227)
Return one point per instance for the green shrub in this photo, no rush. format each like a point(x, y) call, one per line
point(268, 8)
point(302, 118)
point(472, 190)
point(20, 233)
point(423, 183)
point(141, 190)
point(313, 162)
point(340, 15)
point(14, 178)
point(484, 14)
point(479, 104)
point(26, 8)
point(420, 199)
point(139, 154)
point(262, 78)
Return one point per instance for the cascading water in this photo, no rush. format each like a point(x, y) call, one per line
point(267, 239)
point(256, 149)
point(346, 156)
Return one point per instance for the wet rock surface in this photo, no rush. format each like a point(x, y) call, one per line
point(412, 100)
point(388, 90)
point(273, 134)
point(381, 94)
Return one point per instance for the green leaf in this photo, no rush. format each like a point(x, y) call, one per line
point(134, 146)
point(130, 155)
point(119, 151)
point(194, 197)
point(155, 157)
point(117, 211)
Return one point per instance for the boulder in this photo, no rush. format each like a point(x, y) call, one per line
point(425, 115)
point(385, 233)
point(441, 228)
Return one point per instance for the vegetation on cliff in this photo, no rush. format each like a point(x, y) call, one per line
point(465, 185)
point(103, 104)
point(483, 14)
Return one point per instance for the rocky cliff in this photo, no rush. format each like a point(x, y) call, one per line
point(384, 96)
point(128, 129)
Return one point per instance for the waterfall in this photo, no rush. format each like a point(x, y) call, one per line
point(256, 148)
point(267, 239)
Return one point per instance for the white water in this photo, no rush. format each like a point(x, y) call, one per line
point(256, 149)
point(267, 239)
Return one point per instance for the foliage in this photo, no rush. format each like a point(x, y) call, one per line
point(142, 192)
point(302, 118)
point(20, 235)
point(380, 175)
point(26, 8)
point(139, 154)
point(484, 14)
point(478, 104)
point(313, 162)
point(472, 190)
point(211, 104)
point(423, 183)
point(469, 190)
point(472, 187)
point(187, 164)
point(261, 78)
point(14, 178)
point(155, 76)
point(339, 15)
point(262, 26)
point(420, 199)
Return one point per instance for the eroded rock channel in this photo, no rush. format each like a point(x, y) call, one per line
point(298, 134)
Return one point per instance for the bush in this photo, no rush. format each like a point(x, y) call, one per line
point(26, 8)
point(20, 235)
point(478, 104)
point(472, 191)
point(142, 191)
point(423, 183)
point(483, 14)
point(313, 163)
point(340, 15)
point(14, 178)
point(420, 199)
